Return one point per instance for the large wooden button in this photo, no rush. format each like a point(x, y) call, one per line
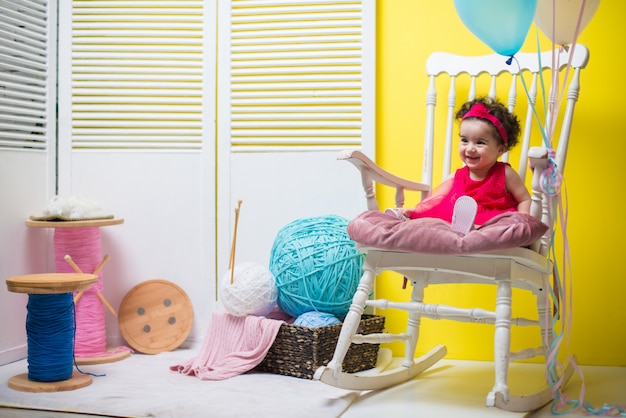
point(155, 316)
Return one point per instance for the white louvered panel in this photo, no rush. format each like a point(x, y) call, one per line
point(123, 109)
point(318, 70)
point(296, 75)
point(24, 100)
point(137, 75)
point(284, 91)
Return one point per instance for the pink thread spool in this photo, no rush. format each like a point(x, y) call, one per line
point(81, 241)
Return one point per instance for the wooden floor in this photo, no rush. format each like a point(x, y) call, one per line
point(450, 389)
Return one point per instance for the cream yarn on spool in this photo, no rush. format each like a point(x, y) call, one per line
point(252, 291)
point(73, 207)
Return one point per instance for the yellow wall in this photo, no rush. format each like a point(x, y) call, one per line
point(408, 31)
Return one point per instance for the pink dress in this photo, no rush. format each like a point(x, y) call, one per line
point(490, 195)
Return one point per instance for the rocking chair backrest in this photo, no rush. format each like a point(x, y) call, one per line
point(505, 76)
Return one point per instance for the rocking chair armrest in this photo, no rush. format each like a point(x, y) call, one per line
point(378, 174)
point(372, 172)
point(537, 154)
point(538, 161)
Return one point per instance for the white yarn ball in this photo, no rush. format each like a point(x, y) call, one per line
point(253, 291)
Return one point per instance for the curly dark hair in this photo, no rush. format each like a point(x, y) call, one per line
point(509, 120)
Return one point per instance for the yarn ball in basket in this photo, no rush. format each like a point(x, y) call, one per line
point(252, 292)
point(315, 319)
point(316, 266)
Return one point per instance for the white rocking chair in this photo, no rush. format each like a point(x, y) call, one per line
point(527, 268)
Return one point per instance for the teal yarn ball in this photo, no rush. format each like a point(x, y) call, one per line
point(316, 266)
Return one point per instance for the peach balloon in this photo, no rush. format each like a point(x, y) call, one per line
point(565, 19)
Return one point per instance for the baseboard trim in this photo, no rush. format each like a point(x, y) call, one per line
point(13, 354)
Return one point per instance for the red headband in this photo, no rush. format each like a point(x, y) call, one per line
point(480, 111)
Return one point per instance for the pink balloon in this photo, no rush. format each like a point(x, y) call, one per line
point(566, 17)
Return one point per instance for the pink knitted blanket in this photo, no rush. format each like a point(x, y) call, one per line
point(232, 345)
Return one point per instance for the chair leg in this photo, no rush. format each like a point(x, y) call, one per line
point(545, 323)
point(413, 325)
point(500, 396)
point(502, 341)
point(353, 318)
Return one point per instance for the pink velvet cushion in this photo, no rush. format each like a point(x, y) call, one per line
point(434, 236)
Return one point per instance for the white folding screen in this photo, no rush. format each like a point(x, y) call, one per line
point(25, 104)
point(136, 134)
point(296, 86)
point(27, 152)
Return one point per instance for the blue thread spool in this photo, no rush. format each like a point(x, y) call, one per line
point(316, 266)
point(50, 331)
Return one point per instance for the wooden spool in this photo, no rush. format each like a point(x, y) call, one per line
point(73, 224)
point(112, 353)
point(155, 316)
point(23, 384)
point(47, 284)
point(50, 283)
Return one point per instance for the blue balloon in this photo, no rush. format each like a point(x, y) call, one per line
point(501, 24)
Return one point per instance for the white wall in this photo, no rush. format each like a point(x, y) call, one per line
point(23, 185)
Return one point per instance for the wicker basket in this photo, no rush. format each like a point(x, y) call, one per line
point(299, 351)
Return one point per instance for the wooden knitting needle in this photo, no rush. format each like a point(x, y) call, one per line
point(72, 263)
point(231, 265)
point(79, 294)
point(106, 303)
point(100, 295)
point(104, 260)
point(69, 260)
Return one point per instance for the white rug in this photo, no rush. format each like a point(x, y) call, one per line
point(143, 386)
